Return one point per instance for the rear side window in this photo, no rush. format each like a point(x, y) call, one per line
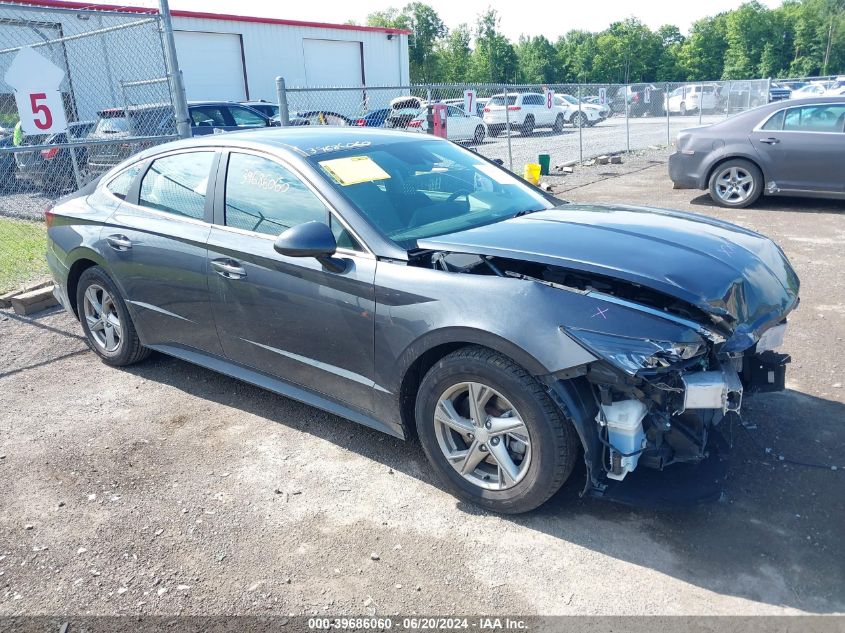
point(177, 184)
point(263, 196)
point(532, 100)
point(120, 184)
point(775, 122)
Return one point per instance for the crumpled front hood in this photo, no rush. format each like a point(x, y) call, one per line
point(722, 269)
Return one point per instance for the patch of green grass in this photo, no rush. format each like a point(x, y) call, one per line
point(22, 248)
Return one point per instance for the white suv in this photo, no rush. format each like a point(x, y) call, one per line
point(525, 111)
point(691, 99)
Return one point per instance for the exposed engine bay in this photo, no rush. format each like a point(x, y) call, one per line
point(656, 402)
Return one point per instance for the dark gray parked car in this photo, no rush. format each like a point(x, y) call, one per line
point(410, 285)
point(783, 148)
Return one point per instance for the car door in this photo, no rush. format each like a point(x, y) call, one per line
point(457, 124)
point(155, 247)
point(288, 316)
point(801, 147)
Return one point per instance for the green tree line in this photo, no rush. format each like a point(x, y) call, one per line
point(799, 38)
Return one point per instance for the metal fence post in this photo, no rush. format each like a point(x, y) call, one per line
point(177, 86)
point(701, 103)
point(728, 102)
point(580, 129)
point(668, 127)
point(282, 99)
point(508, 127)
point(625, 89)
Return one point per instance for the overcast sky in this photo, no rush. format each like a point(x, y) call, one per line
point(547, 17)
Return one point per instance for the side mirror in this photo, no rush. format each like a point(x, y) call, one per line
point(312, 239)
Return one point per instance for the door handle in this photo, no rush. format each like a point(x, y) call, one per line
point(119, 242)
point(770, 141)
point(228, 268)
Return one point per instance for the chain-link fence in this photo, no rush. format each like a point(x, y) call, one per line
point(104, 73)
point(517, 123)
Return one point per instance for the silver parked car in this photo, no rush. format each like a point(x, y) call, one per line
point(783, 148)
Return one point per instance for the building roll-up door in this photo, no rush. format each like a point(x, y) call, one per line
point(333, 63)
point(212, 65)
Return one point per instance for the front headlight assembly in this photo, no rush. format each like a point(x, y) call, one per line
point(634, 354)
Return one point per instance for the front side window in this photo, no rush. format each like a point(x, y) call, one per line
point(247, 118)
point(177, 184)
point(827, 117)
point(208, 116)
point(263, 196)
point(411, 190)
point(120, 184)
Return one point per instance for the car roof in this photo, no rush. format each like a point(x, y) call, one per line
point(298, 138)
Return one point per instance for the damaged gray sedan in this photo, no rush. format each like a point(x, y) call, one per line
point(410, 285)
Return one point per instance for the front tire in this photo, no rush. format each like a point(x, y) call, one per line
point(736, 184)
point(492, 433)
point(105, 320)
point(559, 122)
point(478, 137)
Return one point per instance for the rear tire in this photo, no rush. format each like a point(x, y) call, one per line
point(105, 320)
point(519, 481)
point(527, 128)
point(736, 184)
point(559, 123)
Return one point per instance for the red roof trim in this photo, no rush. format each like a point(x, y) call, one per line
point(62, 4)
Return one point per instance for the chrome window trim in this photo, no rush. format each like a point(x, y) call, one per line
point(759, 126)
point(367, 252)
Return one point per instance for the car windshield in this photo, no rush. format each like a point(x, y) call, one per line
point(411, 190)
point(570, 99)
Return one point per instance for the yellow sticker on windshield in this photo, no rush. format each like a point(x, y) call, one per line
point(354, 169)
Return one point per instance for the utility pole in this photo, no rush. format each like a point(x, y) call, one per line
point(177, 87)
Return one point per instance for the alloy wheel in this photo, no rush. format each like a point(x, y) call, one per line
point(102, 318)
point(482, 436)
point(734, 185)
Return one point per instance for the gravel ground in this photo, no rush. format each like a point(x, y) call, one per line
point(168, 489)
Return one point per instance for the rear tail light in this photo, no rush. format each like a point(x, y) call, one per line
point(49, 154)
point(415, 123)
point(49, 216)
point(635, 97)
point(487, 109)
point(514, 108)
point(361, 122)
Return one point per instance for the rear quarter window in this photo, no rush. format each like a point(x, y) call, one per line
point(120, 184)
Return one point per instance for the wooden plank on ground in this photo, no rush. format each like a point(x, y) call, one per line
point(34, 301)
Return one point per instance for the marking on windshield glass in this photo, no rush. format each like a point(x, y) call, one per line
point(601, 313)
point(337, 147)
point(264, 181)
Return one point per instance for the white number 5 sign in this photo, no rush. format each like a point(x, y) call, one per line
point(36, 82)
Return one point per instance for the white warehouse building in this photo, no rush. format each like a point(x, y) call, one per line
point(222, 57)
